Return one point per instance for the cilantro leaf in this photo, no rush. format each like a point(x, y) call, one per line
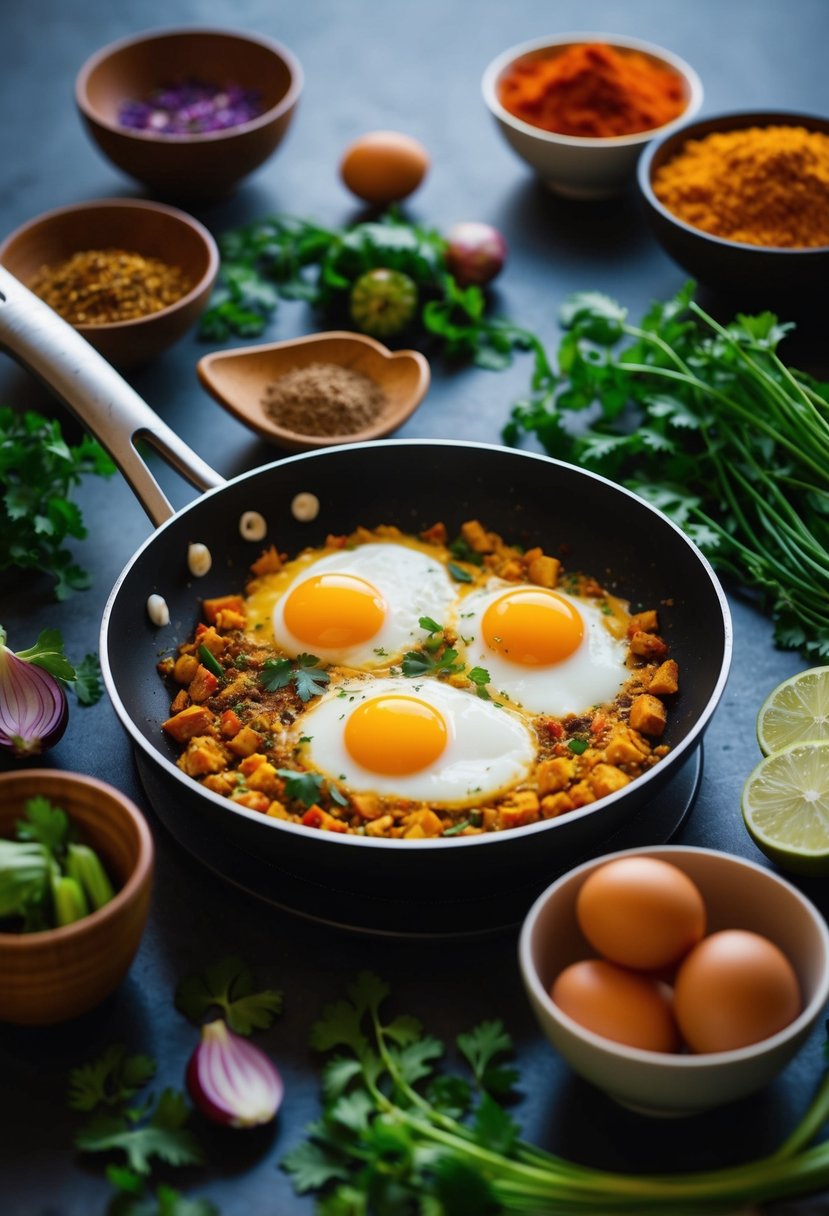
point(87, 685)
point(305, 787)
point(458, 573)
point(312, 1166)
point(309, 679)
point(420, 662)
point(163, 1137)
point(304, 673)
point(276, 673)
point(110, 1080)
point(480, 1047)
point(480, 677)
point(228, 985)
point(44, 823)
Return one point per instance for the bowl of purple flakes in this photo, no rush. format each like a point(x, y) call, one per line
point(189, 112)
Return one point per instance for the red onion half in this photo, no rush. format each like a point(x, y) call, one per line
point(33, 706)
point(232, 1082)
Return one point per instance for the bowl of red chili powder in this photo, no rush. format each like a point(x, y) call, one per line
point(579, 108)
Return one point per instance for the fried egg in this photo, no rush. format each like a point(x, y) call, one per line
point(545, 650)
point(416, 739)
point(361, 607)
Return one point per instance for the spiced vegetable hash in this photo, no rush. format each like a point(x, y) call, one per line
point(243, 705)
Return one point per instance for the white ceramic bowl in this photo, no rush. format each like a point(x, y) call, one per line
point(582, 167)
point(738, 895)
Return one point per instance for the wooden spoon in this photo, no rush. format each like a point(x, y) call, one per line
point(238, 379)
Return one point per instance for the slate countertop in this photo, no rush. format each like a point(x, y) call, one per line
point(414, 68)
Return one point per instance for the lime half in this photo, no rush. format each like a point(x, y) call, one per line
point(796, 711)
point(786, 807)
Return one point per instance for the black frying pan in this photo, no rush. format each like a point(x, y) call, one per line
point(381, 885)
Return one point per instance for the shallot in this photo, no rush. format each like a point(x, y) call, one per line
point(475, 252)
point(232, 1082)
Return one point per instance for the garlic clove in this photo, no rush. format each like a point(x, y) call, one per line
point(199, 559)
point(157, 610)
point(232, 1082)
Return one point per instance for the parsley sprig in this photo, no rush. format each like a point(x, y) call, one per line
point(229, 985)
point(399, 1133)
point(304, 672)
point(727, 440)
point(142, 1133)
point(437, 659)
point(38, 472)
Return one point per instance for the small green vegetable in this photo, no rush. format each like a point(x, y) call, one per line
point(383, 302)
point(46, 877)
point(84, 865)
point(229, 985)
point(69, 901)
point(38, 471)
point(209, 660)
point(579, 746)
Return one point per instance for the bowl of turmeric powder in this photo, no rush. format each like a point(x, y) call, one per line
point(132, 276)
point(741, 202)
point(579, 108)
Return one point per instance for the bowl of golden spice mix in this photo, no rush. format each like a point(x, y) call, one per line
point(741, 201)
point(131, 276)
point(579, 108)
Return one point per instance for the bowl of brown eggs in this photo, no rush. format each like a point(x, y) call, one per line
point(675, 979)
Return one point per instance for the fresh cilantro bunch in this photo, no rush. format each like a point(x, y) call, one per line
point(38, 472)
point(304, 672)
point(286, 257)
point(709, 424)
point(401, 1136)
point(144, 1132)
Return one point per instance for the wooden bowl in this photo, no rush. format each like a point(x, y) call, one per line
point(237, 379)
point(149, 229)
point(58, 974)
point(188, 166)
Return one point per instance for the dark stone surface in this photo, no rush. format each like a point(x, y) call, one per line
point(417, 68)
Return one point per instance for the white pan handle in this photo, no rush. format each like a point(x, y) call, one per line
point(101, 399)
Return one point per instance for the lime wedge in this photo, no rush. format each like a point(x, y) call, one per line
point(797, 711)
point(786, 807)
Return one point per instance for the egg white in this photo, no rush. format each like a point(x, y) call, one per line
point(488, 751)
point(592, 675)
point(412, 584)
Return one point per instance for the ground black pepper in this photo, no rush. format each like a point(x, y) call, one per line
point(323, 399)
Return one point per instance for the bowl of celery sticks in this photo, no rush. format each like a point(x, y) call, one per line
point(76, 865)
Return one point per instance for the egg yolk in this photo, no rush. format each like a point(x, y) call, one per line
point(395, 735)
point(533, 627)
point(334, 610)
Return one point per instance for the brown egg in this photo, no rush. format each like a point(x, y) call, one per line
point(640, 912)
point(622, 1005)
point(733, 989)
point(384, 166)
